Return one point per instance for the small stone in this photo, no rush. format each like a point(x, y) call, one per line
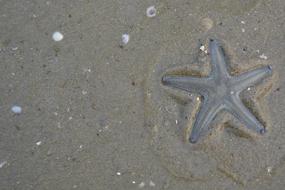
point(38, 143)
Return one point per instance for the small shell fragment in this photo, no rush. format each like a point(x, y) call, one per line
point(151, 12)
point(119, 173)
point(57, 36)
point(125, 38)
point(263, 56)
point(16, 109)
point(207, 23)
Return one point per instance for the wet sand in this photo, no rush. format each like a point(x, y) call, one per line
point(89, 108)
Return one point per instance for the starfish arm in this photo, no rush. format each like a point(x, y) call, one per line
point(189, 84)
point(206, 114)
point(236, 107)
point(250, 78)
point(219, 68)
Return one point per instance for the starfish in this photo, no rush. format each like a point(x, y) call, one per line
point(219, 91)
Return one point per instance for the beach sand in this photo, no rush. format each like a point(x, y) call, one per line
point(82, 105)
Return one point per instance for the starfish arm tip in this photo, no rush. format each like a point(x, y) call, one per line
point(262, 131)
point(194, 137)
point(242, 113)
point(164, 80)
point(193, 141)
point(270, 69)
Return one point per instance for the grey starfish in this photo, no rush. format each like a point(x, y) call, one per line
point(220, 91)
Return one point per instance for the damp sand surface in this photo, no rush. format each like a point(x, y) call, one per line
point(82, 105)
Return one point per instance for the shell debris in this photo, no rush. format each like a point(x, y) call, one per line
point(151, 11)
point(57, 36)
point(16, 109)
point(125, 38)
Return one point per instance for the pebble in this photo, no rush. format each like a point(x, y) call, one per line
point(39, 143)
point(16, 109)
point(57, 36)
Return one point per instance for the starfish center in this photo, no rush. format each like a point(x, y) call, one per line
point(222, 90)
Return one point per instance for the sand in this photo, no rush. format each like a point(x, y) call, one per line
point(94, 114)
